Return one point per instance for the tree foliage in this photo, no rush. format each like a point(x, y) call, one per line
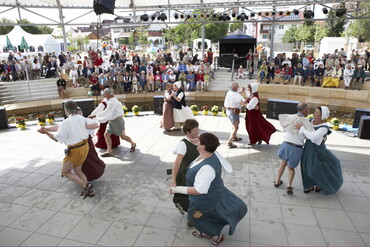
point(360, 28)
point(5, 29)
point(30, 29)
point(335, 27)
point(305, 33)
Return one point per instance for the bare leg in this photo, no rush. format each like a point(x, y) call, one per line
point(126, 138)
point(281, 171)
point(67, 172)
point(108, 140)
point(78, 171)
point(291, 173)
point(234, 131)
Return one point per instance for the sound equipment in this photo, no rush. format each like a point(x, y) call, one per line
point(86, 105)
point(276, 107)
point(3, 119)
point(358, 113)
point(104, 6)
point(364, 128)
point(158, 104)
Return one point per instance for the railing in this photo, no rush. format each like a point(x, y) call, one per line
point(232, 69)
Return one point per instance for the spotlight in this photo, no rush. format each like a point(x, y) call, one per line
point(201, 15)
point(162, 17)
point(325, 11)
point(176, 16)
point(296, 12)
point(233, 14)
point(188, 16)
point(340, 12)
point(224, 17)
point(273, 13)
point(288, 13)
point(259, 13)
point(182, 16)
point(195, 16)
point(267, 13)
point(308, 14)
point(152, 17)
point(214, 15)
point(144, 17)
point(242, 17)
point(207, 15)
point(281, 13)
point(253, 14)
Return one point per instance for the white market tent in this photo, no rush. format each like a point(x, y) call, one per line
point(40, 42)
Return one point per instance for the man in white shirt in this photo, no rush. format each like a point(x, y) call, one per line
point(73, 133)
point(232, 104)
point(291, 149)
point(113, 115)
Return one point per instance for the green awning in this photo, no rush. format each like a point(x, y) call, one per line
point(9, 44)
point(24, 45)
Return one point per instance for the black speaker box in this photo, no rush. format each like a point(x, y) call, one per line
point(364, 128)
point(86, 105)
point(358, 113)
point(104, 6)
point(3, 119)
point(158, 104)
point(275, 107)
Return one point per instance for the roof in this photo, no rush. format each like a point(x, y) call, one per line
point(237, 37)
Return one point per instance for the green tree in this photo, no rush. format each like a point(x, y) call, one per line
point(30, 29)
point(359, 28)
point(290, 35)
point(335, 27)
point(5, 29)
point(79, 41)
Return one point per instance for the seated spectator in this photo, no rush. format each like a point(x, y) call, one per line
point(319, 74)
point(73, 76)
point(127, 82)
point(135, 82)
point(19, 69)
point(358, 77)
point(200, 80)
point(240, 73)
point(263, 71)
point(277, 74)
point(207, 80)
point(270, 73)
point(94, 81)
point(182, 67)
point(51, 68)
point(347, 76)
point(150, 81)
point(335, 77)
point(182, 78)
point(120, 84)
point(165, 80)
point(143, 81)
point(36, 70)
point(287, 74)
point(327, 76)
point(158, 81)
point(190, 81)
point(61, 84)
point(297, 74)
point(309, 73)
point(172, 77)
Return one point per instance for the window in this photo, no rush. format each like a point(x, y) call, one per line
point(119, 21)
point(32, 48)
point(40, 48)
point(117, 31)
point(266, 36)
point(281, 26)
point(115, 40)
point(266, 27)
point(5, 49)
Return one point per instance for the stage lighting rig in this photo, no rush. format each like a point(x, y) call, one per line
point(325, 11)
point(242, 17)
point(296, 11)
point(224, 17)
point(308, 14)
point(162, 17)
point(144, 17)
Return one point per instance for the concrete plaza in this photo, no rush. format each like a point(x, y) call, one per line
point(133, 208)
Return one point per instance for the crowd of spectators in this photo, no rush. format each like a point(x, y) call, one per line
point(326, 71)
point(123, 71)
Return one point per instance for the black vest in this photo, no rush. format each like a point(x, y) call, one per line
point(178, 104)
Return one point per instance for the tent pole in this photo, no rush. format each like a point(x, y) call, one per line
point(203, 37)
point(272, 37)
point(61, 18)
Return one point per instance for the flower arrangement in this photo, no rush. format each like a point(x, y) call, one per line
point(135, 109)
point(51, 116)
point(125, 109)
point(335, 122)
point(195, 109)
point(41, 119)
point(21, 123)
point(310, 116)
point(205, 110)
point(214, 110)
point(224, 111)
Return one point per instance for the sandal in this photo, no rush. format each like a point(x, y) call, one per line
point(278, 184)
point(237, 139)
point(132, 149)
point(216, 240)
point(308, 190)
point(317, 189)
point(87, 189)
point(198, 234)
point(231, 145)
point(106, 155)
point(289, 190)
point(91, 194)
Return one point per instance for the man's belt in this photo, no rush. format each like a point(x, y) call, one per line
point(115, 119)
point(294, 145)
point(235, 110)
point(80, 144)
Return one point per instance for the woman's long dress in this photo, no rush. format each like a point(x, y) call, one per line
point(100, 134)
point(93, 167)
point(321, 167)
point(219, 207)
point(167, 118)
point(258, 128)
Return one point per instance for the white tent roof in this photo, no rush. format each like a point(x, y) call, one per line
point(15, 36)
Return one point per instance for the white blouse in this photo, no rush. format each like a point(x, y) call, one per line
point(315, 136)
point(72, 130)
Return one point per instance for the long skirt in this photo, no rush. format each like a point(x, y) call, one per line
point(167, 118)
point(101, 140)
point(259, 129)
point(93, 167)
point(320, 167)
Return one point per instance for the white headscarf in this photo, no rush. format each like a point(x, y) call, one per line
point(325, 112)
point(254, 87)
point(178, 84)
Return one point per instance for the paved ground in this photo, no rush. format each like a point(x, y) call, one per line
point(132, 206)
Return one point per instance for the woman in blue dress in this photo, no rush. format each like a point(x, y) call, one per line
point(321, 169)
point(212, 205)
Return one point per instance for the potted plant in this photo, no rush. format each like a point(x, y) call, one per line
point(214, 110)
point(309, 117)
point(205, 110)
point(21, 123)
point(224, 111)
point(195, 109)
point(335, 122)
point(135, 109)
point(50, 118)
point(41, 119)
point(125, 110)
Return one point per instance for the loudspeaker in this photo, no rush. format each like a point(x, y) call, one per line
point(3, 119)
point(86, 105)
point(358, 113)
point(275, 107)
point(158, 104)
point(104, 6)
point(364, 128)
